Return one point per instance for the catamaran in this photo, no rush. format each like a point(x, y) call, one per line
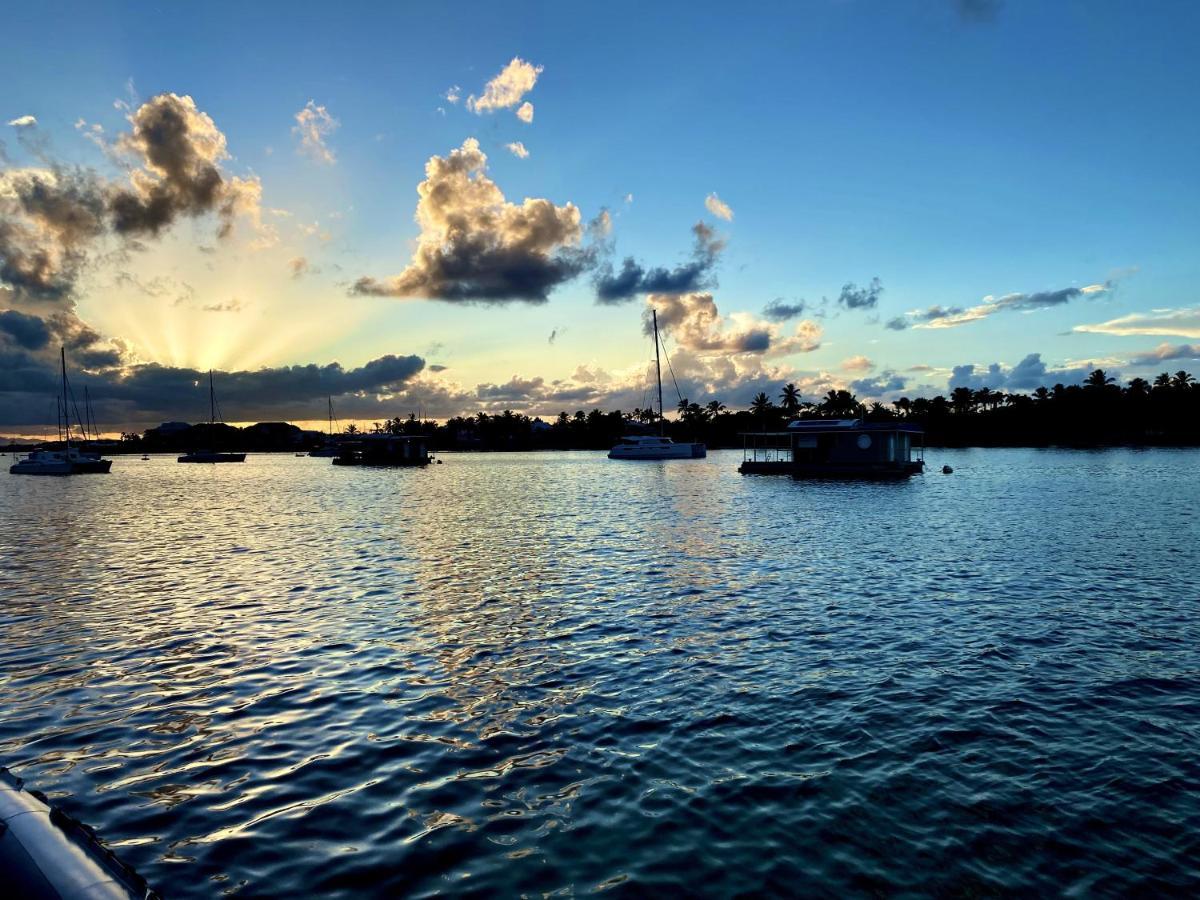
point(70, 460)
point(211, 456)
point(646, 446)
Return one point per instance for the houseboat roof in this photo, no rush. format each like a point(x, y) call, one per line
point(827, 426)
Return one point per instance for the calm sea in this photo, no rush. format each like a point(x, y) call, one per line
point(535, 673)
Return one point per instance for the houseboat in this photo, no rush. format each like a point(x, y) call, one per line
point(384, 450)
point(836, 448)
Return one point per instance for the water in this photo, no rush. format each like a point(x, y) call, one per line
point(534, 673)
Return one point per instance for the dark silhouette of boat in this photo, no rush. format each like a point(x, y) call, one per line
point(836, 448)
point(384, 450)
point(71, 459)
point(211, 456)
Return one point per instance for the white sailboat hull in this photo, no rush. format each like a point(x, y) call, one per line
point(665, 449)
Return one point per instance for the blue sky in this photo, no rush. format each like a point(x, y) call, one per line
point(953, 151)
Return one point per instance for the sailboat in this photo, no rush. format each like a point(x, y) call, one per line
point(211, 456)
point(646, 446)
point(70, 460)
point(330, 448)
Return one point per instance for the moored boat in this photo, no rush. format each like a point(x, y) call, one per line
point(210, 455)
point(655, 447)
point(70, 459)
point(836, 448)
point(385, 450)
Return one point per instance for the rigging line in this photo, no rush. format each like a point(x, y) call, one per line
point(670, 369)
point(78, 418)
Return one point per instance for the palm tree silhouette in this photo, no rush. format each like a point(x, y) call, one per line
point(790, 399)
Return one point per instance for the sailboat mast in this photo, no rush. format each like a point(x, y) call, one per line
point(212, 401)
point(62, 351)
point(329, 400)
point(658, 373)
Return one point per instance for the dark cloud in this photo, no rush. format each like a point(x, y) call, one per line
point(878, 385)
point(477, 247)
point(151, 392)
point(778, 310)
point(634, 279)
point(932, 314)
point(27, 332)
point(854, 297)
point(1031, 372)
point(181, 149)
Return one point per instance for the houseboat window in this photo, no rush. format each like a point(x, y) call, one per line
point(864, 442)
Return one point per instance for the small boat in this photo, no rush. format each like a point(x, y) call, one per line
point(836, 448)
point(385, 450)
point(651, 447)
point(70, 460)
point(44, 853)
point(211, 456)
point(331, 447)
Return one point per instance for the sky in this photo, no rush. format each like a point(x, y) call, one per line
point(453, 209)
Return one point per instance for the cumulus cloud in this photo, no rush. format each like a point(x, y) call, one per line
point(633, 279)
point(718, 207)
point(857, 364)
point(476, 246)
point(885, 382)
point(298, 266)
point(854, 297)
point(696, 324)
point(1164, 352)
point(517, 149)
point(313, 125)
point(1183, 322)
point(506, 90)
point(1031, 372)
point(23, 122)
point(779, 310)
point(525, 112)
point(180, 149)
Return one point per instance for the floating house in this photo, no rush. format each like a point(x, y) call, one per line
point(384, 450)
point(836, 448)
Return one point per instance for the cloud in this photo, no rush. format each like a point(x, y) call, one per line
point(553, 336)
point(885, 382)
point(525, 112)
point(475, 246)
point(180, 149)
point(953, 316)
point(780, 311)
point(695, 323)
point(27, 332)
point(1184, 322)
point(506, 90)
point(854, 297)
point(718, 208)
point(1164, 352)
point(233, 305)
point(517, 149)
point(149, 392)
point(453, 94)
point(313, 125)
point(857, 364)
point(634, 279)
point(1031, 372)
point(23, 122)
point(298, 266)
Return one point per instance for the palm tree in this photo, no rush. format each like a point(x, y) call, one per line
point(1181, 380)
point(790, 397)
point(963, 400)
point(683, 406)
point(1041, 395)
point(1139, 387)
point(903, 406)
point(1098, 381)
point(715, 408)
point(1162, 381)
point(840, 403)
